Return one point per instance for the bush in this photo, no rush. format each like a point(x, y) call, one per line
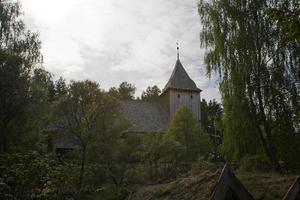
point(106, 193)
point(29, 175)
point(202, 165)
point(255, 163)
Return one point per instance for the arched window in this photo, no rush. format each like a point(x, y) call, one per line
point(178, 95)
point(191, 96)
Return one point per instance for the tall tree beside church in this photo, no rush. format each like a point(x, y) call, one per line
point(185, 129)
point(259, 76)
point(19, 53)
point(151, 93)
point(125, 91)
point(86, 113)
point(211, 116)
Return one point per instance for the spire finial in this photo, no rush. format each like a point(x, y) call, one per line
point(177, 50)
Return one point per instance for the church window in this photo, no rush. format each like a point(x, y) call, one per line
point(191, 96)
point(178, 95)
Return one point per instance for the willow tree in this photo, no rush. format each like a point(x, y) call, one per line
point(259, 77)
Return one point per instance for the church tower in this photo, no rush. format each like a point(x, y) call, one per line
point(181, 90)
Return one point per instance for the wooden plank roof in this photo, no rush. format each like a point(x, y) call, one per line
point(180, 80)
point(145, 117)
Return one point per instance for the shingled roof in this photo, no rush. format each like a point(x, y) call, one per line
point(180, 79)
point(146, 117)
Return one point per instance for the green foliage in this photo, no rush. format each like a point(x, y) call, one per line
point(60, 88)
point(240, 137)
point(187, 131)
point(161, 155)
point(286, 14)
point(255, 163)
point(87, 114)
point(125, 91)
point(259, 76)
point(151, 94)
point(19, 54)
point(203, 165)
point(211, 115)
point(106, 193)
point(118, 153)
point(30, 175)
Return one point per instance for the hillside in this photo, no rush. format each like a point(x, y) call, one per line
point(200, 187)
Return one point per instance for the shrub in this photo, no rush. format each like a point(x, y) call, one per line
point(252, 163)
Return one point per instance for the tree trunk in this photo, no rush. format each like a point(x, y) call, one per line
point(82, 168)
point(266, 141)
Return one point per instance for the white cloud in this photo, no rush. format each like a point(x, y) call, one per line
point(111, 41)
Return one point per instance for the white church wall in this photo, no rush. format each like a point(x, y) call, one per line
point(185, 98)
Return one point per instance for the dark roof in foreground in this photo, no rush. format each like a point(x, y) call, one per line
point(145, 116)
point(294, 191)
point(229, 187)
point(180, 79)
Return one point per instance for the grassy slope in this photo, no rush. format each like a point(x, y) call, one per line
point(261, 186)
point(267, 186)
point(194, 187)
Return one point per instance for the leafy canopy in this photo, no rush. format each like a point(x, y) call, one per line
point(259, 75)
point(185, 129)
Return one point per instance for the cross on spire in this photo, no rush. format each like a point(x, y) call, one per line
point(177, 50)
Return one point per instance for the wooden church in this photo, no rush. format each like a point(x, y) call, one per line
point(148, 117)
point(180, 90)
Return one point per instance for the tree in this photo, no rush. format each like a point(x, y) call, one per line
point(286, 14)
point(161, 154)
point(124, 92)
point(258, 73)
point(60, 88)
point(86, 113)
point(151, 93)
point(19, 53)
point(211, 116)
point(187, 131)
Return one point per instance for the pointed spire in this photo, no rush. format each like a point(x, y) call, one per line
point(177, 50)
point(180, 80)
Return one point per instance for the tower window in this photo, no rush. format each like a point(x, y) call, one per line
point(178, 95)
point(191, 96)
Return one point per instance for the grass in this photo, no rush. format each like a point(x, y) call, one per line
point(266, 186)
point(263, 186)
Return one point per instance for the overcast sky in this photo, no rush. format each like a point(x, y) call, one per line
point(110, 41)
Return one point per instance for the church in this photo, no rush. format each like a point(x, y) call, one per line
point(148, 117)
point(151, 117)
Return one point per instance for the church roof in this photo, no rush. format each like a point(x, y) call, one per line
point(146, 117)
point(180, 80)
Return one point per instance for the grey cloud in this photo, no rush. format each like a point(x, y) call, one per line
point(111, 41)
